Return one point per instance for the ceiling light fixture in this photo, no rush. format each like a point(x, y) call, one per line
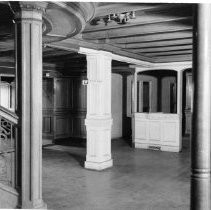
point(120, 18)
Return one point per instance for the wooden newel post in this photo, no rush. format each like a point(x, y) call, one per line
point(201, 121)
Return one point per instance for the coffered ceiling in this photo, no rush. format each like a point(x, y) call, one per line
point(155, 33)
point(161, 32)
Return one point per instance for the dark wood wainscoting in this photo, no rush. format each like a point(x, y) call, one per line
point(64, 108)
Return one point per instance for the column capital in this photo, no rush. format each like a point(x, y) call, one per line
point(92, 52)
point(27, 6)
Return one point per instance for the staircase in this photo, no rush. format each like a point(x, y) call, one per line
point(8, 159)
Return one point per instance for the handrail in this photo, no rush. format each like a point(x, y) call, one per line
point(8, 115)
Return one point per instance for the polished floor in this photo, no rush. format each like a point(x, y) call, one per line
point(140, 179)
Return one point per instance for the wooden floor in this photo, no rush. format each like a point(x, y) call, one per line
point(140, 179)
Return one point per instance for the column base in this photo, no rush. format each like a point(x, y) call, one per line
point(42, 206)
point(98, 166)
point(33, 206)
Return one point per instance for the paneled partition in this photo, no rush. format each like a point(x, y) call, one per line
point(64, 107)
point(157, 131)
point(159, 128)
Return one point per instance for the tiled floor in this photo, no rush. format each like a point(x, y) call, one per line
point(140, 179)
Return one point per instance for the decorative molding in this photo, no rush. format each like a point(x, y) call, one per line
point(18, 7)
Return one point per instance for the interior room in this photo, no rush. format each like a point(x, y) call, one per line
point(105, 105)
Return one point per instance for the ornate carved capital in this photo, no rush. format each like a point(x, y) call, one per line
point(24, 6)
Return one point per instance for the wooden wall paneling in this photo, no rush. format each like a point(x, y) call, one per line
point(79, 108)
point(188, 102)
point(61, 125)
point(64, 107)
point(79, 129)
point(61, 93)
point(165, 86)
point(48, 105)
point(79, 94)
point(48, 92)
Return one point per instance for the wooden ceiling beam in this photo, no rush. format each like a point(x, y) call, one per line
point(175, 52)
point(56, 53)
point(141, 19)
point(174, 34)
point(158, 43)
point(163, 49)
point(173, 58)
point(141, 30)
point(67, 45)
point(125, 7)
point(65, 58)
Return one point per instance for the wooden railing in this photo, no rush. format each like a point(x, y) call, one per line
point(8, 122)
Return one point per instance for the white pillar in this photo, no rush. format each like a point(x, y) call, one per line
point(134, 106)
point(134, 101)
point(28, 36)
point(179, 91)
point(179, 104)
point(98, 120)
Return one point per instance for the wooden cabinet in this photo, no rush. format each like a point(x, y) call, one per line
point(64, 108)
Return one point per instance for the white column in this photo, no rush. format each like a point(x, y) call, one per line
point(179, 104)
point(98, 120)
point(179, 91)
point(28, 36)
point(134, 107)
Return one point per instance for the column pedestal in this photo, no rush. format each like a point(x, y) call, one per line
point(98, 144)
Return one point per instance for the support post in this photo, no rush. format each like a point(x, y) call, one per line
point(134, 107)
point(179, 104)
point(179, 91)
point(201, 120)
point(98, 120)
point(28, 37)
